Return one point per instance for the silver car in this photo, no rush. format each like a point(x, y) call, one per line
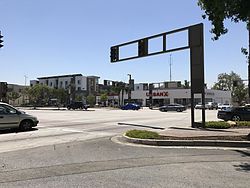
point(11, 118)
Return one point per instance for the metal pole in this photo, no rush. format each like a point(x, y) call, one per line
point(249, 60)
point(129, 88)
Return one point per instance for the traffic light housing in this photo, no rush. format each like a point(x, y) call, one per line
point(142, 47)
point(1, 45)
point(114, 54)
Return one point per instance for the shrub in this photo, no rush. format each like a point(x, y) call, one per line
point(142, 134)
point(217, 125)
point(243, 124)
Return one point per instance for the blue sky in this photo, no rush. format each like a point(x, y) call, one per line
point(55, 37)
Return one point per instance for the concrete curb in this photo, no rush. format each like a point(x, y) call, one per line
point(211, 143)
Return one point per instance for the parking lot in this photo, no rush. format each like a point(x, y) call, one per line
point(62, 126)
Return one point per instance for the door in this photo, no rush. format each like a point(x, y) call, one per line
point(8, 117)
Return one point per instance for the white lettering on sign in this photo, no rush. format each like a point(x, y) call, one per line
point(158, 94)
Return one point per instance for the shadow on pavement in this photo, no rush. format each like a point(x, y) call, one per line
point(200, 129)
point(8, 131)
point(244, 153)
point(245, 167)
point(137, 125)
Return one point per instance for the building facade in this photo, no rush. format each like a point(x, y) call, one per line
point(176, 94)
point(74, 84)
point(17, 95)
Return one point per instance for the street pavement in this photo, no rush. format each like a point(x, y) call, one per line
point(62, 126)
point(100, 162)
point(78, 149)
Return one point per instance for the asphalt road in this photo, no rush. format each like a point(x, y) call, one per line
point(99, 162)
point(75, 149)
point(62, 126)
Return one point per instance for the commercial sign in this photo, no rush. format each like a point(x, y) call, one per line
point(158, 94)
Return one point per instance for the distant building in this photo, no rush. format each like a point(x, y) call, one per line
point(17, 95)
point(108, 87)
point(75, 84)
point(165, 93)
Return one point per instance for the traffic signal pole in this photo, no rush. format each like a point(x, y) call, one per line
point(129, 88)
point(196, 46)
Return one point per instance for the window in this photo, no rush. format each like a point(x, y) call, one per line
point(66, 83)
point(145, 87)
point(7, 110)
point(79, 88)
point(79, 82)
point(2, 110)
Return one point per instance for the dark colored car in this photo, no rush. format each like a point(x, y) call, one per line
point(131, 106)
point(77, 105)
point(235, 114)
point(172, 107)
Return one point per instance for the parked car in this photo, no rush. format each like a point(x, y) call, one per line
point(200, 106)
point(77, 105)
point(224, 106)
point(208, 105)
point(11, 118)
point(211, 105)
point(131, 106)
point(235, 114)
point(172, 107)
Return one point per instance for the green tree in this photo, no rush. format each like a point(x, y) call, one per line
point(39, 94)
point(240, 94)
point(104, 98)
point(219, 10)
point(91, 100)
point(12, 96)
point(226, 82)
point(60, 94)
point(117, 89)
point(78, 98)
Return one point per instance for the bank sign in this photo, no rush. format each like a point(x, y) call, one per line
point(158, 94)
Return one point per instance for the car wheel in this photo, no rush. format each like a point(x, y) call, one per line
point(25, 125)
point(236, 118)
point(178, 110)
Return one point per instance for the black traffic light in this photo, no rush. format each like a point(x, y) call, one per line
point(1, 45)
point(142, 47)
point(114, 54)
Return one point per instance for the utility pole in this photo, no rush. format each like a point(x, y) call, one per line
point(129, 88)
point(25, 79)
